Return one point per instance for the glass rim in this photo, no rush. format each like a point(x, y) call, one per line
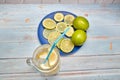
point(56, 63)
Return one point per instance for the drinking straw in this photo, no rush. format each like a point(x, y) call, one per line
point(55, 43)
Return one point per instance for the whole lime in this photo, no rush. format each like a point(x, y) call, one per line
point(81, 23)
point(79, 37)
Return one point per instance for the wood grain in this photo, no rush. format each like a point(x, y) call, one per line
point(97, 59)
point(50, 1)
point(2, 1)
point(116, 2)
point(32, 1)
point(12, 1)
point(104, 1)
point(101, 2)
point(84, 68)
point(86, 1)
point(81, 63)
point(69, 1)
point(91, 47)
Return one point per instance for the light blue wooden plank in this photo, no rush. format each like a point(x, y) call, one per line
point(14, 15)
point(99, 47)
point(80, 63)
point(94, 19)
point(28, 73)
point(18, 34)
point(32, 1)
point(103, 2)
point(22, 7)
point(66, 77)
point(50, 1)
point(91, 47)
point(14, 49)
point(29, 33)
point(12, 1)
point(2, 1)
point(109, 31)
point(45, 8)
point(18, 16)
point(116, 2)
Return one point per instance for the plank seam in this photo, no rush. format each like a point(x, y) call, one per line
point(67, 71)
point(65, 56)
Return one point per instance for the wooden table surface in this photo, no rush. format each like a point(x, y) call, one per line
point(97, 59)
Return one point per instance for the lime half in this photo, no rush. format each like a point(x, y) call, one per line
point(69, 19)
point(70, 32)
point(49, 23)
point(66, 45)
point(61, 26)
point(53, 36)
point(58, 17)
point(46, 32)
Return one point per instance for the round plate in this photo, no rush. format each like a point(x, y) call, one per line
point(45, 41)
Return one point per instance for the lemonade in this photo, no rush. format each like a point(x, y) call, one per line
point(51, 67)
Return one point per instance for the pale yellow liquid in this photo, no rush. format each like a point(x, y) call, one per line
point(50, 65)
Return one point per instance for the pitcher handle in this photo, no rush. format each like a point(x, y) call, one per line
point(29, 62)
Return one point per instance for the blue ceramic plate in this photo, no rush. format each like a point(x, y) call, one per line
point(41, 28)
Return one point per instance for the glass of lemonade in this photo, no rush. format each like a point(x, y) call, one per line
point(51, 67)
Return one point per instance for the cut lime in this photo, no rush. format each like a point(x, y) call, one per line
point(58, 44)
point(49, 23)
point(53, 36)
point(46, 32)
point(66, 45)
point(69, 19)
point(70, 32)
point(61, 26)
point(58, 17)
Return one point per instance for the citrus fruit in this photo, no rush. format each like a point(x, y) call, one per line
point(69, 19)
point(61, 26)
point(58, 44)
point(79, 37)
point(81, 23)
point(46, 32)
point(70, 32)
point(58, 17)
point(49, 23)
point(66, 45)
point(53, 36)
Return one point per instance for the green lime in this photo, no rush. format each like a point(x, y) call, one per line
point(79, 37)
point(81, 23)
